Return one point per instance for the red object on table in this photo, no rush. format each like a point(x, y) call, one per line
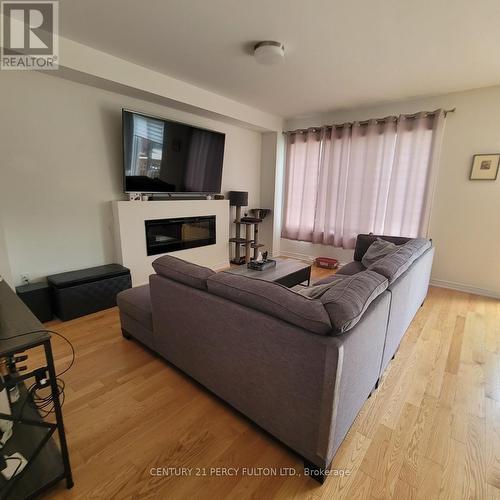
point(326, 262)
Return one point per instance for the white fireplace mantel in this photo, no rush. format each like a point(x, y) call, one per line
point(130, 235)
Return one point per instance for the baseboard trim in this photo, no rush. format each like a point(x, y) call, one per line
point(300, 256)
point(460, 287)
point(303, 256)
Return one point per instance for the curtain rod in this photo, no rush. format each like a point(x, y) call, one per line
point(366, 122)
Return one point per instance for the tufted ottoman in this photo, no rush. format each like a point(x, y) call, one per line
point(86, 291)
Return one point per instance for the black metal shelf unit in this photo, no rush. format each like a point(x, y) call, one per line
point(47, 464)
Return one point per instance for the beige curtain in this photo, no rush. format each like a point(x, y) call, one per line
point(376, 176)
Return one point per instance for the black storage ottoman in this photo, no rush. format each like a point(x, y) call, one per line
point(77, 293)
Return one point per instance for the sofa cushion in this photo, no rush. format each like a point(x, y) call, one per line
point(394, 265)
point(273, 299)
point(353, 267)
point(322, 281)
point(418, 246)
point(378, 249)
point(136, 303)
point(348, 300)
point(182, 271)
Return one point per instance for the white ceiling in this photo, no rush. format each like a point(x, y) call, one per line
point(339, 53)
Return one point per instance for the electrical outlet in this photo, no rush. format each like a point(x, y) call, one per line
point(25, 278)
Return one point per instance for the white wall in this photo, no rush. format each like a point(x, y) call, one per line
point(465, 220)
point(267, 189)
point(4, 257)
point(83, 63)
point(61, 166)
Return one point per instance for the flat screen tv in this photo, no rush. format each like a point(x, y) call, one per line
point(162, 156)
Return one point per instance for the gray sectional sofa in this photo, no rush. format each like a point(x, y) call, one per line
point(300, 368)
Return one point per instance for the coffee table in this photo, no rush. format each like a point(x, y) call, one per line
point(287, 272)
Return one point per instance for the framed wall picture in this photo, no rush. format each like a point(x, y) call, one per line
point(484, 167)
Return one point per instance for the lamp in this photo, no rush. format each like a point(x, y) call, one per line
point(238, 198)
point(269, 52)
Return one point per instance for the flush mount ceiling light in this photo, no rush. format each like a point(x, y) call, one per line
point(269, 52)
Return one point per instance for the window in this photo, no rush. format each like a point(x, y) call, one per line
point(375, 176)
point(147, 147)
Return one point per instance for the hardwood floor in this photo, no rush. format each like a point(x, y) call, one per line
point(430, 431)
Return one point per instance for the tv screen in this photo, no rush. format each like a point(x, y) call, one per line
point(162, 156)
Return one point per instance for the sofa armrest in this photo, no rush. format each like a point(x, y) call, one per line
point(360, 356)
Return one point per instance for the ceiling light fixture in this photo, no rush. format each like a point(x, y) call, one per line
point(269, 52)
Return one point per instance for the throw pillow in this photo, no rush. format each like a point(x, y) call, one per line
point(377, 250)
point(316, 291)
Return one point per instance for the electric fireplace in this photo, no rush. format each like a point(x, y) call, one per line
point(169, 235)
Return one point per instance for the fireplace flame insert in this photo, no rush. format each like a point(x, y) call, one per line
point(169, 235)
